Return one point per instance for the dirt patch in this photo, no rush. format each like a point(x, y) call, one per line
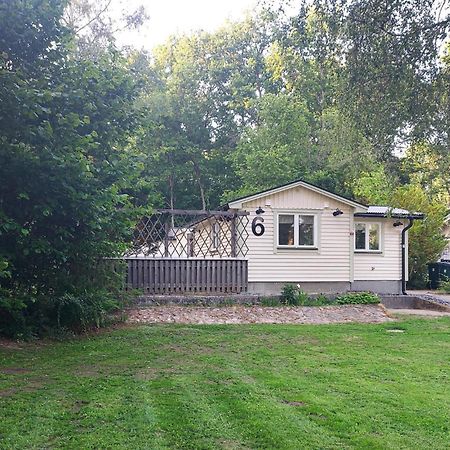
point(10, 344)
point(13, 370)
point(32, 385)
point(78, 405)
point(287, 402)
point(8, 392)
point(88, 371)
point(259, 314)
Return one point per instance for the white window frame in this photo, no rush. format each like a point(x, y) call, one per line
point(367, 248)
point(296, 215)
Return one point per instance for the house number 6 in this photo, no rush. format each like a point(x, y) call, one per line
point(258, 228)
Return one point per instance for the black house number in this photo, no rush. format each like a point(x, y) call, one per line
point(257, 227)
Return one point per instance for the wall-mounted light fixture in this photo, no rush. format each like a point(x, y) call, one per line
point(337, 212)
point(398, 223)
point(260, 211)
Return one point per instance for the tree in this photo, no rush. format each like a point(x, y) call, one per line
point(95, 26)
point(278, 149)
point(387, 58)
point(199, 102)
point(68, 169)
point(426, 240)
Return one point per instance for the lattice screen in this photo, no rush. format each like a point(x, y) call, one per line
point(191, 234)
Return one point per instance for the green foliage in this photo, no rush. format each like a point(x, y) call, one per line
point(426, 241)
point(271, 302)
point(289, 295)
point(357, 298)
point(69, 169)
point(445, 286)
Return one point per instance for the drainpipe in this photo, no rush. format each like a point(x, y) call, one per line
point(411, 222)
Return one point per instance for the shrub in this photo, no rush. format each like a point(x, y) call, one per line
point(88, 304)
point(302, 298)
point(294, 296)
point(289, 295)
point(357, 298)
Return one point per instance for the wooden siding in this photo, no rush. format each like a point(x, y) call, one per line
point(167, 275)
point(386, 265)
point(330, 262)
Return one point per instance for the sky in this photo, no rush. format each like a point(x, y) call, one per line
point(169, 17)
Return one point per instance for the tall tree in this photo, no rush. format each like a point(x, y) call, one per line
point(68, 164)
point(387, 53)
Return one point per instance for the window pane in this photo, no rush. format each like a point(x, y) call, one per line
point(360, 236)
point(374, 236)
point(286, 229)
point(306, 230)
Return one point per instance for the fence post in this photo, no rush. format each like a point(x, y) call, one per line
point(233, 236)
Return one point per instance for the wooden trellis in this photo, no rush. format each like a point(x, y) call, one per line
point(191, 234)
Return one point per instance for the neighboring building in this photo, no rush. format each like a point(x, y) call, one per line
point(322, 241)
point(446, 253)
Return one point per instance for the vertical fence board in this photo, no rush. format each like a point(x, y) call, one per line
point(163, 276)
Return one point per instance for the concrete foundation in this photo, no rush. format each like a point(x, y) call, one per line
point(379, 286)
point(327, 287)
point(409, 302)
point(274, 288)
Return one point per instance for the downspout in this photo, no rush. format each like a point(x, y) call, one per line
point(411, 223)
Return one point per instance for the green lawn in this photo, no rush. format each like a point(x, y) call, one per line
point(241, 386)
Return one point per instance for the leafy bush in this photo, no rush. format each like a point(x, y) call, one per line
point(289, 295)
point(357, 298)
point(90, 303)
point(70, 172)
point(320, 300)
point(302, 298)
point(293, 295)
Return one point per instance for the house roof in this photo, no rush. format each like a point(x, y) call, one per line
point(386, 211)
point(237, 203)
point(361, 209)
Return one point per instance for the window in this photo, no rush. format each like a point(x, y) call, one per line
point(297, 230)
point(286, 229)
point(215, 237)
point(367, 237)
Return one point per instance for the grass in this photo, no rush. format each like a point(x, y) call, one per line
point(232, 387)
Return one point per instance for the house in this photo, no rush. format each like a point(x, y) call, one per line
point(446, 253)
point(303, 234)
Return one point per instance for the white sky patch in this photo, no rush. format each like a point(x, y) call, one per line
point(178, 17)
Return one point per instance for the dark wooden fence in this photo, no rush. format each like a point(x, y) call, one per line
point(167, 275)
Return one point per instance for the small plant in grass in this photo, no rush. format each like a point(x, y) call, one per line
point(357, 298)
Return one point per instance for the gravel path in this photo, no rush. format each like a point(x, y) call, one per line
point(433, 296)
point(258, 314)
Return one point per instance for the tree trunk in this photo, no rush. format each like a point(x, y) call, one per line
point(200, 185)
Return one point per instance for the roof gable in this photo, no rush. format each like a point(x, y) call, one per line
point(236, 204)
